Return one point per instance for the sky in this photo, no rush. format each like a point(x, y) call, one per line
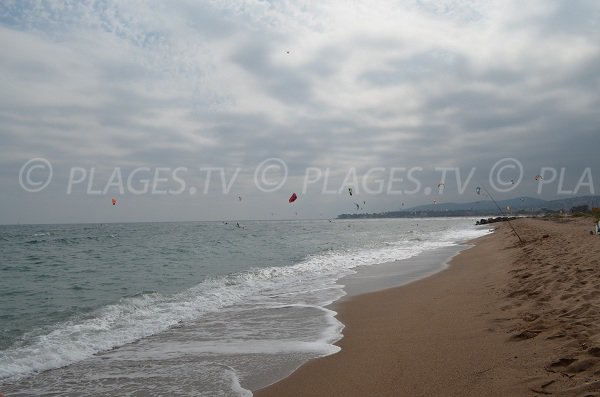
point(215, 110)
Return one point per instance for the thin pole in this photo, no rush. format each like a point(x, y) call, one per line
point(502, 212)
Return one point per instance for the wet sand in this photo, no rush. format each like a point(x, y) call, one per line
point(503, 320)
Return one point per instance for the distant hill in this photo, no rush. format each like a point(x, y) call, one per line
point(519, 205)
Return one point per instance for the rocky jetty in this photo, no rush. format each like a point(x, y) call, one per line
point(483, 221)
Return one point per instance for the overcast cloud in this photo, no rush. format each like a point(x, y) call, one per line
point(328, 85)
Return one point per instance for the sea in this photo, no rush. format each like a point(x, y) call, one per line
point(193, 308)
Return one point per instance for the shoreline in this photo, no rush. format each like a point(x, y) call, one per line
point(375, 278)
point(400, 272)
point(484, 325)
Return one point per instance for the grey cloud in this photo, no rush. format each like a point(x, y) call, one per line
point(416, 68)
point(288, 85)
point(207, 21)
point(576, 17)
point(585, 76)
point(463, 12)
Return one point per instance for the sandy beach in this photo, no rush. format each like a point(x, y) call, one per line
point(503, 320)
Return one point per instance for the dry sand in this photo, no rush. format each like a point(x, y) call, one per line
point(504, 320)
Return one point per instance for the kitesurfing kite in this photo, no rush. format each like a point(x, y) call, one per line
point(350, 191)
point(357, 206)
point(240, 198)
point(292, 198)
point(114, 201)
point(478, 190)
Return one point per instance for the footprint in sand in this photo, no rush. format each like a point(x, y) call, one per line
point(561, 363)
point(527, 334)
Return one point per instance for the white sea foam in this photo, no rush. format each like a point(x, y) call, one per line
point(235, 385)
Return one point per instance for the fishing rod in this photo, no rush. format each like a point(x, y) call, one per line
point(502, 212)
